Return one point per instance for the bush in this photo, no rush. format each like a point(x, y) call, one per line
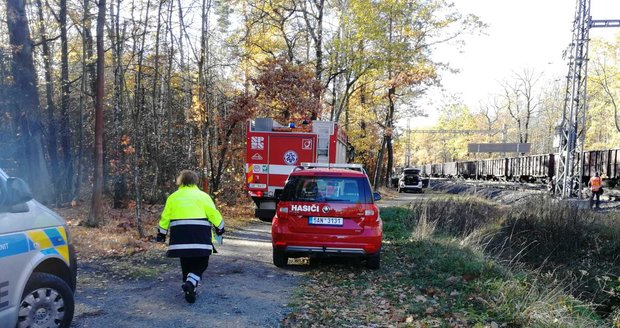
point(458, 216)
point(577, 246)
point(545, 230)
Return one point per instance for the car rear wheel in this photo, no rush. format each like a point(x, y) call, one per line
point(279, 258)
point(47, 302)
point(373, 261)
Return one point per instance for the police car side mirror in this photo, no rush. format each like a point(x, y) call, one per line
point(377, 196)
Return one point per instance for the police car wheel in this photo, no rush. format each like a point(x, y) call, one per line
point(279, 258)
point(47, 302)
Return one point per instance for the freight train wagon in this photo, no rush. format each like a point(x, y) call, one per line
point(531, 168)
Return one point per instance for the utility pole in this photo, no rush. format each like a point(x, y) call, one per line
point(571, 131)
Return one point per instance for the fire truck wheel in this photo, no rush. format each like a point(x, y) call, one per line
point(265, 219)
point(279, 258)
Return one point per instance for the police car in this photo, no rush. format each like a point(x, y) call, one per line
point(327, 210)
point(37, 261)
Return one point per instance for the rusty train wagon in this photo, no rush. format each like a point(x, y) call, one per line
point(450, 170)
point(606, 162)
point(495, 168)
point(530, 168)
point(540, 167)
point(426, 170)
point(466, 169)
point(437, 170)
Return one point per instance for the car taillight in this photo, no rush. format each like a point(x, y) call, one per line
point(256, 193)
point(371, 215)
point(282, 212)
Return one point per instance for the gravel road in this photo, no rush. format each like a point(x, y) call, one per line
point(241, 288)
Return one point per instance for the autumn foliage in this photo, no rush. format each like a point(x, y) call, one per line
point(287, 92)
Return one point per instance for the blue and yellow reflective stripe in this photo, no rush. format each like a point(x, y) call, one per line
point(40, 239)
point(54, 236)
point(47, 241)
point(51, 241)
point(14, 244)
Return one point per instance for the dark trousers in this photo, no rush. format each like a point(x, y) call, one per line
point(596, 194)
point(195, 265)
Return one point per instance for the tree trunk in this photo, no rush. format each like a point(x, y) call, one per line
point(52, 146)
point(30, 158)
point(120, 181)
point(65, 131)
point(94, 216)
point(388, 138)
point(137, 114)
point(378, 168)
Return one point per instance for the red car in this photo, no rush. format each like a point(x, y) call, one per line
point(327, 210)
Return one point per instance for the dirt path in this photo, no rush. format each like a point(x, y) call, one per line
point(241, 288)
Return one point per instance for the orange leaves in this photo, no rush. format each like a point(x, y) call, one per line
point(413, 76)
point(287, 92)
point(125, 140)
point(243, 107)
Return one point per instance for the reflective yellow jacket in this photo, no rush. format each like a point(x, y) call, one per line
point(189, 202)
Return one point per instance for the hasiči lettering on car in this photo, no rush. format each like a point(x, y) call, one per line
point(305, 208)
point(327, 210)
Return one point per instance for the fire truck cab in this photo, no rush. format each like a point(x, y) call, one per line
point(274, 150)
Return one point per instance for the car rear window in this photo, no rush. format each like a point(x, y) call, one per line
point(327, 189)
point(411, 171)
point(411, 179)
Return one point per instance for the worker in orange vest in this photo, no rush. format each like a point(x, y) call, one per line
point(596, 186)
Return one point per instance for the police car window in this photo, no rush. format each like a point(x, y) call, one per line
point(326, 189)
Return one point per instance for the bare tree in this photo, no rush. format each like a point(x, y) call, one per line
point(65, 131)
point(94, 216)
point(521, 101)
point(50, 105)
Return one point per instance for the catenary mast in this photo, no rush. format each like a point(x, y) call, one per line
point(571, 130)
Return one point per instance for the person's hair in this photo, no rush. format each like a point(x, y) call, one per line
point(597, 174)
point(187, 178)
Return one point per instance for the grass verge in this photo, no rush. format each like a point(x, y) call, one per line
point(461, 262)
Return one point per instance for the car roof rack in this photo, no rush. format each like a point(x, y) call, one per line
point(305, 165)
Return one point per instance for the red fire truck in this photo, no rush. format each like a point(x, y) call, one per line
point(274, 150)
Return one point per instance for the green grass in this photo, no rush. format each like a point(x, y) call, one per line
point(437, 272)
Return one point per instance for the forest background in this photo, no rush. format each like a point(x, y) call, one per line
point(115, 97)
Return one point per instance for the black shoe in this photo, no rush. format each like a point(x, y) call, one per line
point(190, 292)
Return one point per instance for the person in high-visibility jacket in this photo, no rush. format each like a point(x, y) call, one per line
point(188, 217)
point(596, 188)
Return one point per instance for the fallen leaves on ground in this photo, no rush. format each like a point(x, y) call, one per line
point(117, 236)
